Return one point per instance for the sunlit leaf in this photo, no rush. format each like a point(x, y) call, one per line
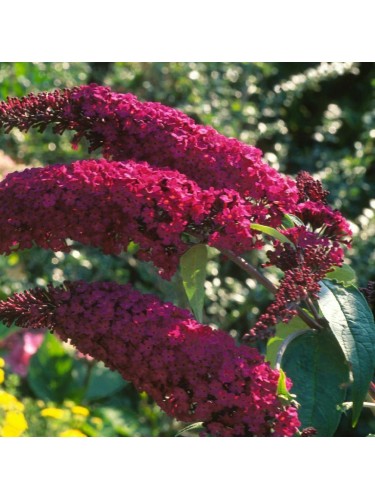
point(290, 220)
point(344, 275)
point(193, 271)
point(282, 390)
point(271, 232)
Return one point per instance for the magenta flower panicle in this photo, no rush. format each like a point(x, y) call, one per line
point(195, 373)
point(310, 189)
point(108, 204)
point(200, 182)
point(125, 128)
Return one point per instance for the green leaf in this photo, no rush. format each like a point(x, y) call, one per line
point(197, 426)
point(119, 421)
point(50, 371)
point(193, 271)
point(283, 330)
point(319, 373)
point(271, 232)
point(103, 382)
point(132, 248)
point(287, 222)
point(352, 323)
point(290, 220)
point(344, 275)
point(282, 390)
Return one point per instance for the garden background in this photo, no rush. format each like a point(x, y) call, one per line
point(318, 117)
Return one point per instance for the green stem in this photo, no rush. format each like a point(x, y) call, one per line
point(251, 270)
point(312, 308)
point(349, 404)
point(284, 345)
point(86, 382)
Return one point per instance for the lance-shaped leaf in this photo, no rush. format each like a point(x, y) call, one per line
point(272, 232)
point(193, 271)
point(290, 220)
point(319, 373)
point(352, 323)
point(197, 426)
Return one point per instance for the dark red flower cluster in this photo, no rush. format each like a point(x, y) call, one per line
point(195, 373)
point(321, 219)
point(125, 128)
point(308, 432)
point(108, 204)
point(297, 284)
point(314, 251)
point(227, 187)
point(305, 263)
point(310, 189)
point(369, 293)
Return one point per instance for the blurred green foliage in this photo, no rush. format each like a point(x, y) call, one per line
point(318, 117)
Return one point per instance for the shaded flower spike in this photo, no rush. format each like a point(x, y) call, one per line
point(125, 128)
point(195, 373)
point(32, 308)
point(369, 293)
point(308, 432)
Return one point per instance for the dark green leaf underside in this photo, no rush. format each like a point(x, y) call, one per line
point(317, 367)
point(352, 323)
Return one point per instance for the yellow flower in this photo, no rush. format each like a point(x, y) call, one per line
point(15, 424)
point(72, 433)
point(80, 410)
point(2, 373)
point(53, 413)
point(8, 402)
point(97, 421)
